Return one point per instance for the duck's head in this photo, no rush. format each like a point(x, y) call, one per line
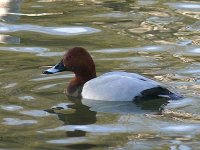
point(77, 60)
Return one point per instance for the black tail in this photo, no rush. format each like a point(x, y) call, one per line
point(160, 92)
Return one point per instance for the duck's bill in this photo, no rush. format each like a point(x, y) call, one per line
point(57, 68)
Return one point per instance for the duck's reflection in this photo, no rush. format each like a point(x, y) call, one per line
point(86, 110)
point(136, 107)
point(82, 115)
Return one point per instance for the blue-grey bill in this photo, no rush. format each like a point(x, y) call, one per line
point(51, 71)
point(57, 68)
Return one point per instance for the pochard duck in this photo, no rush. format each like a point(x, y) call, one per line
point(111, 86)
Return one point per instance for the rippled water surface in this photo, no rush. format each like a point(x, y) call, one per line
point(157, 38)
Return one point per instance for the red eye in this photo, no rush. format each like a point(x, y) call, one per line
point(69, 57)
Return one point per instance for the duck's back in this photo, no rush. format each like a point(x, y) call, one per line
point(117, 86)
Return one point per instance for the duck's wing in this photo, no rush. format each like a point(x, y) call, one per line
point(117, 86)
point(134, 76)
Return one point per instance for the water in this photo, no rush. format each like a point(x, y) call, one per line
point(159, 39)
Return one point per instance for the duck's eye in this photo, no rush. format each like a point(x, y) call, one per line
point(69, 57)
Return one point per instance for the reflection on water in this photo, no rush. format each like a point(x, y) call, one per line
point(152, 48)
point(35, 113)
point(24, 49)
point(9, 39)
point(82, 114)
point(7, 10)
point(16, 121)
point(192, 6)
point(194, 27)
point(67, 31)
point(158, 39)
point(115, 15)
point(140, 107)
point(11, 107)
point(145, 2)
point(9, 85)
point(72, 140)
point(190, 9)
point(26, 98)
point(163, 20)
point(7, 7)
point(53, 77)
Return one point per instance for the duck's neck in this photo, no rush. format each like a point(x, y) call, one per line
point(76, 84)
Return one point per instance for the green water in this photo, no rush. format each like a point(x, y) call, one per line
point(156, 38)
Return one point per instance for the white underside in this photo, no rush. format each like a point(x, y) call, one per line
point(117, 86)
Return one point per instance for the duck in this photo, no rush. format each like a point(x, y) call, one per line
point(110, 86)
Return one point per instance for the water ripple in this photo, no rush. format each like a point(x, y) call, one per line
point(115, 15)
point(53, 77)
point(40, 14)
point(146, 3)
point(65, 31)
point(50, 54)
point(24, 49)
point(7, 39)
point(39, 51)
point(35, 113)
point(177, 129)
point(47, 86)
point(72, 140)
point(108, 128)
point(194, 27)
point(162, 20)
point(11, 107)
point(191, 6)
point(26, 98)
point(11, 85)
point(151, 48)
point(16, 121)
